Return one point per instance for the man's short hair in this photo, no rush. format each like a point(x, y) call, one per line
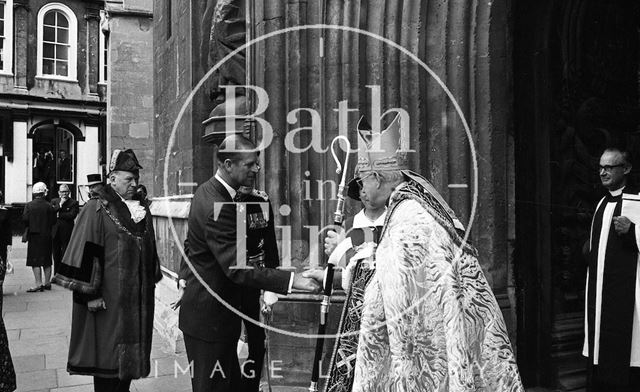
point(64, 186)
point(626, 156)
point(233, 146)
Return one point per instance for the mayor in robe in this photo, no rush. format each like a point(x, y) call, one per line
point(112, 266)
point(612, 313)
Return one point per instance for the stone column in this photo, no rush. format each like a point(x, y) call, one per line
point(465, 48)
point(21, 12)
point(92, 17)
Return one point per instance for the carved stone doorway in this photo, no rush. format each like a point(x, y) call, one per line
point(576, 92)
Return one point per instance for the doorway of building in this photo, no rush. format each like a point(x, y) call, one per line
point(54, 158)
point(576, 93)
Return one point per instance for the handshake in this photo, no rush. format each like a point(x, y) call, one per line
point(312, 280)
point(306, 283)
point(309, 281)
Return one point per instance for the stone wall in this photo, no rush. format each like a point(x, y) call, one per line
point(178, 68)
point(170, 223)
point(130, 94)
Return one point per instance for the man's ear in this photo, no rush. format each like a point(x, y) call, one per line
point(627, 169)
point(227, 164)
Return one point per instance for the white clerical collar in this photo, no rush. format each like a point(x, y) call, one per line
point(617, 192)
point(232, 192)
point(362, 220)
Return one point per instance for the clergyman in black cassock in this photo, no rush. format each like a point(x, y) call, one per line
point(612, 323)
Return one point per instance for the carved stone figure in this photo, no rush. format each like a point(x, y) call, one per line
point(224, 23)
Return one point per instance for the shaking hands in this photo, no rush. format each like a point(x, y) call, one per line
point(305, 283)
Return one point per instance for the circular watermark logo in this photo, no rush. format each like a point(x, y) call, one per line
point(283, 209)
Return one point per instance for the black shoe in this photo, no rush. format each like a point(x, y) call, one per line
point(46, 286)
point(35, 289)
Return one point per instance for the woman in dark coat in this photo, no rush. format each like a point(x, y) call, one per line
point(39, 217)
point(7, 373)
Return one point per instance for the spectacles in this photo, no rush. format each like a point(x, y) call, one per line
point(359, 179)
point(609, 168)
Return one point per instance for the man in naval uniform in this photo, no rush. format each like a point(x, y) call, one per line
point(211, 322)
point(612, 305)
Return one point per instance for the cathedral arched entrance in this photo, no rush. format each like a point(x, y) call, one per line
point(576, 92)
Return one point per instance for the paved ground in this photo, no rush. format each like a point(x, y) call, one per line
point(38, 325)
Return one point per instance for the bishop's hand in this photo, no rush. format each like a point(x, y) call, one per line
point(332, 240)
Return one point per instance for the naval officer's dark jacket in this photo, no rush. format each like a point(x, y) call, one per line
point(212, 248)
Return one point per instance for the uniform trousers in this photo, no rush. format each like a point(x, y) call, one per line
point(215, 365)
point(110, 385)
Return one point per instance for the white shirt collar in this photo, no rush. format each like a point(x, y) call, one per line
point(232, 192)
point(137, 210)
point(361, 220)
point(617, 192)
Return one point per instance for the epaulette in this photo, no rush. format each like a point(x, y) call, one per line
point(260, 194)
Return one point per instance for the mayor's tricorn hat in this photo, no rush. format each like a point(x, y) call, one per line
point(388, 151)
point(124, 160)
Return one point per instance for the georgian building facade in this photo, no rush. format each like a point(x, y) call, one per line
point(52, 95)
point(60, 117)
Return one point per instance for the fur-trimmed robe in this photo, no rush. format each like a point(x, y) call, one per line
point(425, 318)
point(116, 342)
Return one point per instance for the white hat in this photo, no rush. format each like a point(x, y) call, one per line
point(39, 187)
